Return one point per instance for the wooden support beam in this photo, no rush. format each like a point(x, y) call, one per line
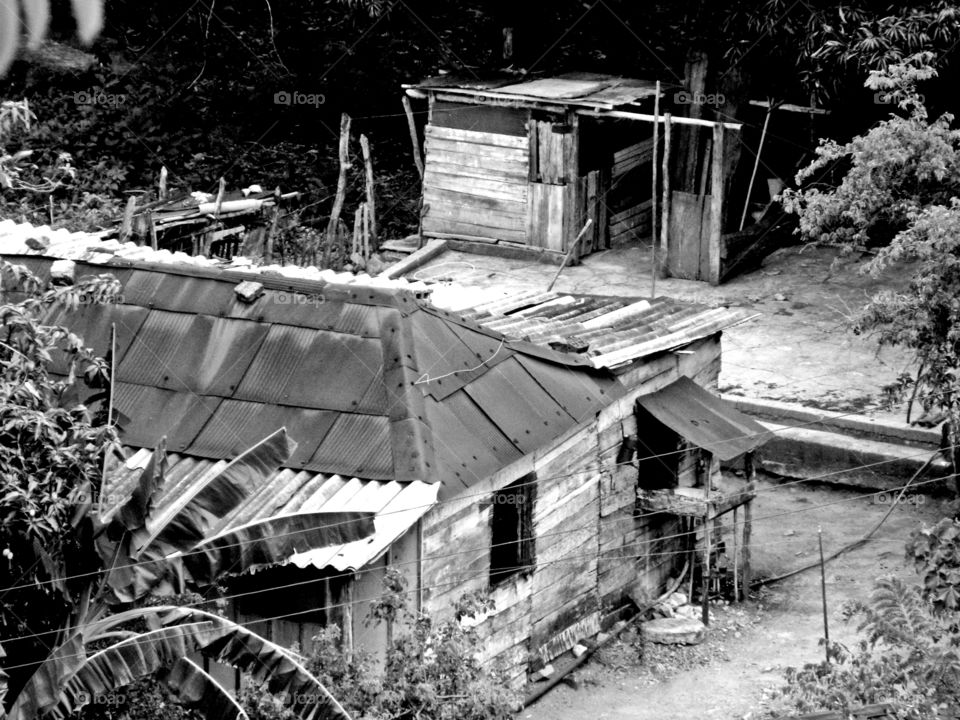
point(749, 466)
point(788, 107)
point(625, 115)
point(653, 195)
point(661, 261)
point(736, 556)
point(423, 255)
point(716, 206)
point(705, 579)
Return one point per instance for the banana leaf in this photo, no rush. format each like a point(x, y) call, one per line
point(188, 519)
point(272, 541)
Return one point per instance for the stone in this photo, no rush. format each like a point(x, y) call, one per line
point(578, 650)
point(62, 272)
point(674, 631)
point(38, 243)
point(543, 673)
point(248, 291)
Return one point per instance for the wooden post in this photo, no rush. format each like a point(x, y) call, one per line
point(126, 226)
point(372, 233)
point(716, 205)
point(736, 556)
point(653, 194)
point(691, 525)
point(272, 230)
point(414, 139)
point(823, 595)
point(357, 230)
point(347, 616)
point(705, 579)
point(749, 466)
point(162, 185)
point(152, 222)
point(665, 222)
point(756, 164)
point(341, 194)
point(365, 252)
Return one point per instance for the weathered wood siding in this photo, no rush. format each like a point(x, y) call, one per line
point(476, 184)
point(593, 551)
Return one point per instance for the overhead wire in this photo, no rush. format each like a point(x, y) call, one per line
point(569, 558)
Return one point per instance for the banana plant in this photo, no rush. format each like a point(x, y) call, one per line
point(150, 543)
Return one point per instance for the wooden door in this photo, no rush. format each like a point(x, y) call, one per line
point(688, 239)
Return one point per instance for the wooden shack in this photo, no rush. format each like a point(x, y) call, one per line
point(490, 460)
point(517, 166)
point(519, 163)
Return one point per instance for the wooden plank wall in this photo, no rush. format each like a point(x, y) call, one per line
point(475, 184)
point(592, 551)
point(632, 224)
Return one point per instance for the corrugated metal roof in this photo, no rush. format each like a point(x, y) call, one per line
point(603, 331)
point(588, 90)
point(704, 419)
point(396, 506)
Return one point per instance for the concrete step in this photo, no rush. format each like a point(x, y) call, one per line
point(887, 429)
point(842, 459)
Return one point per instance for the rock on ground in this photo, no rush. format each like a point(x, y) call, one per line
point(674, 631)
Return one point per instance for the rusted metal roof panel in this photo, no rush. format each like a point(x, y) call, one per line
point(192, 295)
point(485, 432)
point(154, 413)
point(705, 420)
point(199, 353)
point(579, 394)
point(520, 408)
point(339, 372)
point(275, 364)
point(462, 457)
point(238, 425)
point(356, 445)
point(93, 324)
point(450, 356)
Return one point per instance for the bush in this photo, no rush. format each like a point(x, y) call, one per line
point(430, 672)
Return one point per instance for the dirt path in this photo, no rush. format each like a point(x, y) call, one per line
point(732, 674)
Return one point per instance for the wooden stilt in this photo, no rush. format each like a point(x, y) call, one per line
point(716, 205)
point(705, 584)
point(653, 193)
point(736, 557)
point(751, 473)
point(661, 261)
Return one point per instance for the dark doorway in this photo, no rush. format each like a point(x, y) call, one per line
point(657, 453)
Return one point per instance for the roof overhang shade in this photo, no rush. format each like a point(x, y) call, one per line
point(391, 521)
point(704, 419)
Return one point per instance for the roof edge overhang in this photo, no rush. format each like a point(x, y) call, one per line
point(704, 419)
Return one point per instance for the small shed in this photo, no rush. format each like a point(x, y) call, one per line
point(526, 163)
point(517, 166)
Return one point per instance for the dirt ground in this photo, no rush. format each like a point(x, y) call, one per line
point(799, 347)
point(734, 673)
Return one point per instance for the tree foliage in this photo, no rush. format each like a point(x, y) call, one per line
point(908, 657)
point(899, 191)
point(84, 542)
